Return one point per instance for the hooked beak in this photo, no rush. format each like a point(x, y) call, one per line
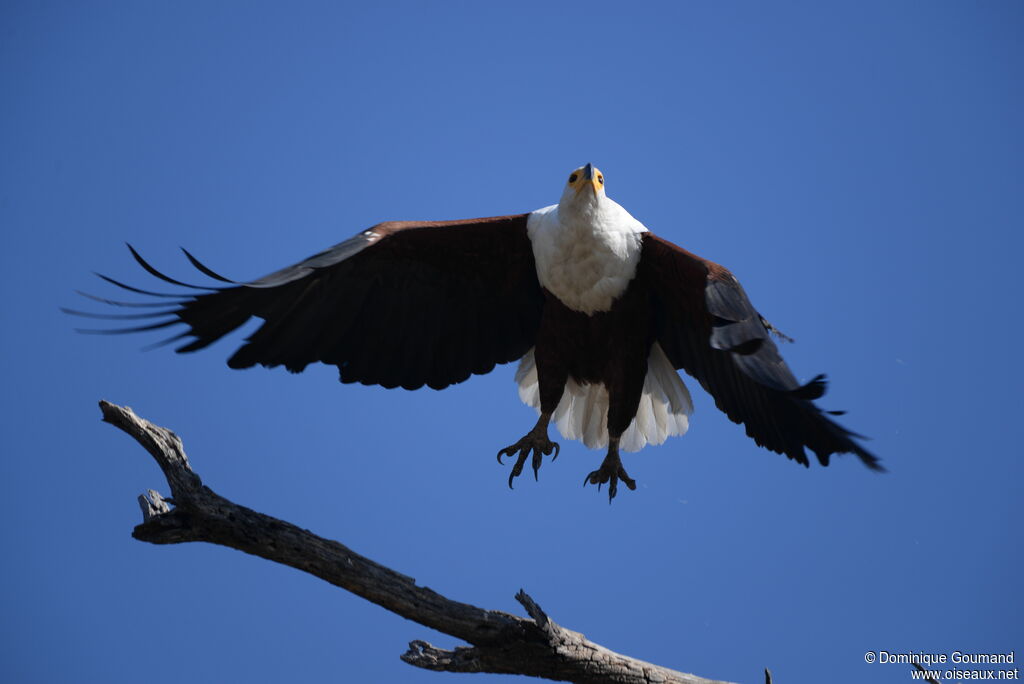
point(590, 178)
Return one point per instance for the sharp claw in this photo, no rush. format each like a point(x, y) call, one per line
point(517, 469)
point(537, 460)
point(626, 479)
point(612, 473)
point(533, 444)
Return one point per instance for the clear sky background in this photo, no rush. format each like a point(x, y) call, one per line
point(859, 166)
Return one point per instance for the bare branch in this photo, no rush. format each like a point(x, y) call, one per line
point(501, 642)
point(931, 680)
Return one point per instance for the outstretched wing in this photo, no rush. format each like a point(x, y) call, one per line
point(708, 327)
point(401, 304)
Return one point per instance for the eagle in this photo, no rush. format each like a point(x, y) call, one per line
point(600, 313)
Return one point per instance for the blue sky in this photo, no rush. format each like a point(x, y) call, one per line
point(859, 166)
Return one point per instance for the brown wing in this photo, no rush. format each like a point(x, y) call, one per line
point(708, 327)
point(401, 304)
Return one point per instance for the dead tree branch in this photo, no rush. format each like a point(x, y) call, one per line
point(501, 642)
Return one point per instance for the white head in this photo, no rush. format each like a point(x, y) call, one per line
point(583, 191)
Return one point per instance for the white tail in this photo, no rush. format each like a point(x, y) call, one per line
point(583, 411)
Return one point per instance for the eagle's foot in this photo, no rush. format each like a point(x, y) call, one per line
point(611, 471)
point(535, 442)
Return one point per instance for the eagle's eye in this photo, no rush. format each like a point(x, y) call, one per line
point(600, 179)
point(572, 178)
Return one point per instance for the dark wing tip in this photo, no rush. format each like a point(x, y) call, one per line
point(130, 288)
point(113, 302)
point(815, 389)
point(123, 331)
point(154, 272)
point(206, 270)
point(116, 317)
point(871, 461)
point(848, 445)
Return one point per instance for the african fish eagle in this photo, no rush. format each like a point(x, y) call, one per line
point(599, 312)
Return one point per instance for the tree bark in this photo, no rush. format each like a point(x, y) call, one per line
point(500, 642)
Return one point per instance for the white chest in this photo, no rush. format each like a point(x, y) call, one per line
point(586, 260)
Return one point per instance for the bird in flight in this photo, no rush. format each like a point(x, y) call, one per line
point(599, 312)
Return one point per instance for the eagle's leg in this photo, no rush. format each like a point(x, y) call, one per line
point(611, 471)
point(536, 442)
point(624, 392)
point(551, 376)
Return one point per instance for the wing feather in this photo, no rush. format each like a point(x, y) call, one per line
point(401, 304)
point(708, 327)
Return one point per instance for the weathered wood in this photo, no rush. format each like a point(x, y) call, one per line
point(501, 642)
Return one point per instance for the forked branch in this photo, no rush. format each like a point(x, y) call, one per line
point(500, 642)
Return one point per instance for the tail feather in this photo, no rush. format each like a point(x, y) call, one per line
point(582, 414)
